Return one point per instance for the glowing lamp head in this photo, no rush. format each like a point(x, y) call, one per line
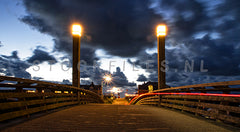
point(161, 30)
point(107, 78)
point(76, 30)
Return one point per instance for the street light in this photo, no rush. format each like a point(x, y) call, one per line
point(161, 33)
point(161, 30)
point(76, 30)
point(76, 33)
point(107, 79)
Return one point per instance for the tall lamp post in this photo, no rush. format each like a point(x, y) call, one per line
point(161, 34)
point(76, 32)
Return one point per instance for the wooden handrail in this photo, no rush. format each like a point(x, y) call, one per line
point(226, 83)
point(40, 84)
point(224, 107)
point(17, 103)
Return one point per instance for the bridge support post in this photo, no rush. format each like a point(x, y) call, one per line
point(161, 63)
point(160, 100)
point(161, 34)
point(76, 61)
point(78, 96)
point(161, 56)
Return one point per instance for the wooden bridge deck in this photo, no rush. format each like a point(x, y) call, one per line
point(102, 117)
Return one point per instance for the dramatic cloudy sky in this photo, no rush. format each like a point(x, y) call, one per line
point(203, 42)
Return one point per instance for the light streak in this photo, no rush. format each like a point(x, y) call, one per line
point(199, 94)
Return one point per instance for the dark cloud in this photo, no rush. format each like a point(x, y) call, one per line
point(41, 56)
point(87, 56)
point(97, 74)
point(1, 44)
point(13, 56)
point(142, 78)
point(220, 59)
point(111, 25)
point(119, 79)
point(66, 82)
point(198, 30)
point(191, 17)
point(13, 66)
point(85, 82)
point(184, 18)
point(37, 78)
point(92, 72)
point(146, 61)
point(85, 74)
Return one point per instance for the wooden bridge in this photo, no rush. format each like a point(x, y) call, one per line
point(201, 107)
point(17, 102)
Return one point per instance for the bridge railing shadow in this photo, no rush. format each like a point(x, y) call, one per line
point(217, 101)
point(23, 97)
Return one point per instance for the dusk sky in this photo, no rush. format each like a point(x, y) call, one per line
point(121, 33)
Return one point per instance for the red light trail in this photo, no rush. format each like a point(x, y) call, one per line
point(200, 94)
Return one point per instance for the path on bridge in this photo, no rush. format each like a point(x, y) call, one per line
point(120, 101)
point(103, 117)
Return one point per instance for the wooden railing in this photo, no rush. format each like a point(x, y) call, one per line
point(17, 101)
point(218, 101)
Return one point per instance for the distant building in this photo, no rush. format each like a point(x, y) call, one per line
point(94, 88)
point(148, 87)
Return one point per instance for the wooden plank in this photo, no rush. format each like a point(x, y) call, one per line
point(27, 95)
point(216, 89)
point(227, 83)
point(210, 98)
point(20, 113)
point(150, 98)
point(10, 105)
point(148, 103)
point(64, 87)
point(206, 105)
point(17, 85)
point(235, 120)
point(155, 100)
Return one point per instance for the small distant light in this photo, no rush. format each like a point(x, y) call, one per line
point(31, 91)
point(58, 92)
point(108, 78)
point(161, 30)
point(76, 30)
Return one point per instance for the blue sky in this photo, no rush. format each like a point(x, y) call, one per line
point(15, 35)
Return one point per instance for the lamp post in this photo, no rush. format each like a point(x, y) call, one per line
point(161, 33)
point(76, 32)
point(107, 79)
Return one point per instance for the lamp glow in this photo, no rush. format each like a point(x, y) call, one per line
point(107, 78)
point(196, 94)
point(114, 90)
point(161, 30)
point(76, 30)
